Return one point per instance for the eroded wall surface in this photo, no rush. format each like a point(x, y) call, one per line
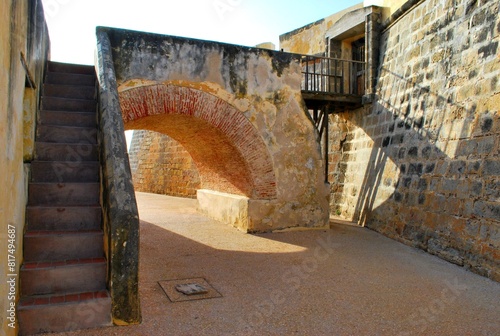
point(239, 113)
point(160, 165)
point(422, 164)
point(23, 39)
point(310, 39)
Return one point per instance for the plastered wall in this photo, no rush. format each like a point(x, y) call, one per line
point(23, 38)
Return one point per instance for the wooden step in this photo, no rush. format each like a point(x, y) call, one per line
point(66, 134)
point(69, 91)
point(44, 218)
point(68, 104)
point(60, 313)
point(62, 277)
point(55, 194)
point(63, 118)
point(45, 151)
point(62, 245)
point(62, 78)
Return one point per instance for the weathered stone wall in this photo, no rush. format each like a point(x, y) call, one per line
point(310, 39)
point(238, 112)
point(422, 164)
point(23, 35)
point(120, 213)
point(390, 6)
point(161, 165)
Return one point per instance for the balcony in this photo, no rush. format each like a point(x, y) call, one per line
point(336, 84)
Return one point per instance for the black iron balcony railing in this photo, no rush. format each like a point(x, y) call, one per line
point(332, 76)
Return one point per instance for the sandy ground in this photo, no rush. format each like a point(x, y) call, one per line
point(343, 281)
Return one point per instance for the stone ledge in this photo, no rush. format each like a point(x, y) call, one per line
point(227, 208)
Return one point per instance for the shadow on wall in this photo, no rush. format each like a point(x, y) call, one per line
point(422, 164)
point(417, 151)
point(429, 162)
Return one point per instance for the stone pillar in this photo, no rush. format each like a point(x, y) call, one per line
point(372, 25)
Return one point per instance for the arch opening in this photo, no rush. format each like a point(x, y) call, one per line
point(161, 165)
point(230, 155)
point(219, 164)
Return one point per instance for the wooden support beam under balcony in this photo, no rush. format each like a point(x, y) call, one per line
point(334, 102)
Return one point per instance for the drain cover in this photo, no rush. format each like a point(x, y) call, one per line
point(188, 289)
point(191, 289)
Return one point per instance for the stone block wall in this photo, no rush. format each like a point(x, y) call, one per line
point(422, 164)
point(161, 165)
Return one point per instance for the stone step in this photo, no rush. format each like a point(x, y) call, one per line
point(62, 245)
point(46, 151)
point(56, 194)
point(62, 313)
point(64, 171)
point(63, 277)
point(70, 68)
point(66, 134)
point(68, 104)
point(69, 91)
point(62, 118)
point(70, 218)
point(63, 78)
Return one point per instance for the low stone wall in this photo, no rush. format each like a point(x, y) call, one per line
point(120, 213)
point(227, 208)
point(161, 165)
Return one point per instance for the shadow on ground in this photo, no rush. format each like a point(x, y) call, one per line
point(343, 281)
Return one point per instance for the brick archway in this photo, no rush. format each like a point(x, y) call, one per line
point(228, 151)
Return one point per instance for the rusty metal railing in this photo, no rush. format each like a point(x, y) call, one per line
point(331, 75)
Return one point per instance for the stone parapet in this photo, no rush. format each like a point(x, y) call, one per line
point(120, 213)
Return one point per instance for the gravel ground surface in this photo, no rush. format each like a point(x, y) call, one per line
point(343, 281)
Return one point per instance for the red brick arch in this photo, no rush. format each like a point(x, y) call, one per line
point(227, 149)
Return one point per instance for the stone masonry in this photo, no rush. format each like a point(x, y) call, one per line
point(161, 165)
point(419, 162)
point(422, 165)
point(239, 113)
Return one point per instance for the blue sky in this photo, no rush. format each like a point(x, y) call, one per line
point(246, 22)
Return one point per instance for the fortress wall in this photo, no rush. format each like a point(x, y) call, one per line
point(422, 164)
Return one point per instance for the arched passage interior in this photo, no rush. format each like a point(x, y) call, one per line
point(228, 151)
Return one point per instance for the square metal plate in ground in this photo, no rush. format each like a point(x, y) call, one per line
point(197, 289)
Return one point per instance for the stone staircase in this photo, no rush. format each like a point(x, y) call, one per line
point(63, 278)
